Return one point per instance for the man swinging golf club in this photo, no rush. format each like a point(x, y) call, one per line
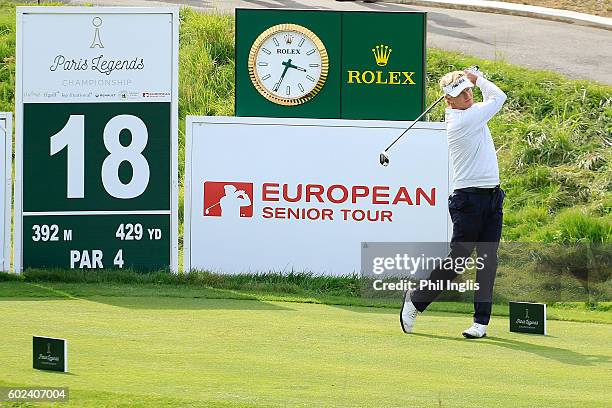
point(475, 205)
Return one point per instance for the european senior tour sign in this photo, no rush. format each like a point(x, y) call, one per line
point(264, 194)
point(96, 151)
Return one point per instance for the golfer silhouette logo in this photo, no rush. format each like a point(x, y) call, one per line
point(228, 199)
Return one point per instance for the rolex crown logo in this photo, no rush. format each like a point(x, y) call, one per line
point(381, 54)
point(288, 38)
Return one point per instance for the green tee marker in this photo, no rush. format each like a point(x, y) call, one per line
point(49, 353)
point(528, 317)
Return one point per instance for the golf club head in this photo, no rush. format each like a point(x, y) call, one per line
point(474, 69)
point(384, 159)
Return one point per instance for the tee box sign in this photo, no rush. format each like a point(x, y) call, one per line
point(6, 153)
point(528, 317)
point(97, 138)
point(49, 353)
point(328, 64)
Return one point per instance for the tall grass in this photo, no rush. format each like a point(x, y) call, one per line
point(555, 140)
point(554, 134)
point(290, 283)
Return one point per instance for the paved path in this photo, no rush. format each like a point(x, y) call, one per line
point(575, 51)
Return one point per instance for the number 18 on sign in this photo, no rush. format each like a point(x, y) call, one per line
point(96, 138)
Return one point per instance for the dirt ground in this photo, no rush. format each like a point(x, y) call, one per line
point(596, 7)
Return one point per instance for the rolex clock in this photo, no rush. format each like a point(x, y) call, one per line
point(288, 64)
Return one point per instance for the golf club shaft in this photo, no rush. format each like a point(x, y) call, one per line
point(217, 203)
point(415, 122)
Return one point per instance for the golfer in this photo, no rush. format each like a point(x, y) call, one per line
point(475, 205)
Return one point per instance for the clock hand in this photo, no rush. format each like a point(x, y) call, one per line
point(286, 64)
point(290, 65)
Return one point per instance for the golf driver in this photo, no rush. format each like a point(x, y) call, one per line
point(384, 156)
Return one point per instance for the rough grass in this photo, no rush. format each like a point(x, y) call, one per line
point(555, 151)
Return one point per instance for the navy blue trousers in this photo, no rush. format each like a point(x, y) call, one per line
point(477, 224)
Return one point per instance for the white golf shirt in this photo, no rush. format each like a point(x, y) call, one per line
point(469, 139)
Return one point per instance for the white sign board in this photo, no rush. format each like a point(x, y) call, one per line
point(94, 54)
point(6, 152)
point(281, 195)
point(96, 168)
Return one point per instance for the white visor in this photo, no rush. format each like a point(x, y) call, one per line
point(458, 86)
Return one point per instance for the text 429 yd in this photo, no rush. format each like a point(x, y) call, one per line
point(135, 232)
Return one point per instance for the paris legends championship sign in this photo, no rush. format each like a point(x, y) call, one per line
point(6, 169)
point(96, 147)
point(281, 195)
point(49, 353)
point(528, 317)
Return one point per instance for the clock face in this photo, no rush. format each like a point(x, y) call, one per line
point(288, 64)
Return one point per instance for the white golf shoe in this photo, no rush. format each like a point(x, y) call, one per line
point(476, 331)
point(408, 314)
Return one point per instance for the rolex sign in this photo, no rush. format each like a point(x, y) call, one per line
point(330, 64)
